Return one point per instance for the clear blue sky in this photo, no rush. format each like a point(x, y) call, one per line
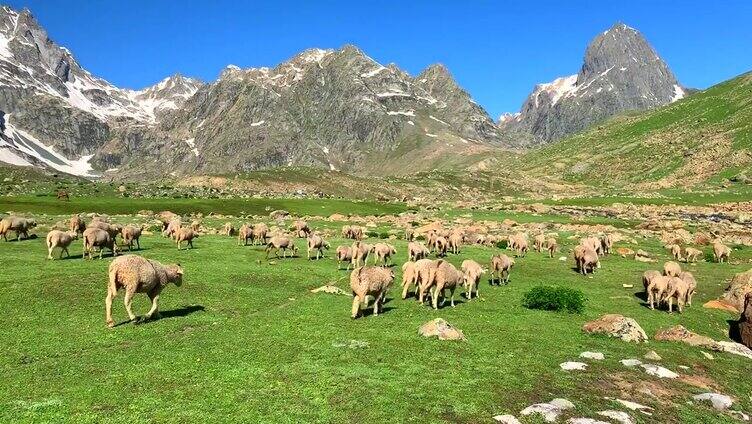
point(496, 50)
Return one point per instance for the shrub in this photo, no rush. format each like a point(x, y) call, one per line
point(557, 298)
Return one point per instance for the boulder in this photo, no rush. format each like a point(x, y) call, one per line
point(278, 214)
point(652, 356)
point(735, 293)
point(440, 328)
point(719, 401)
point(719, 304)
point(614, 325)
point(549, 411)
point(678, 333)
point(745, 323)
point(624, 252)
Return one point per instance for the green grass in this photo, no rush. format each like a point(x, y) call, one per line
point(244, 340)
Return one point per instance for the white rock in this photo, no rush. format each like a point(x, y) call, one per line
point(507, 419)
point(719, 401)
point(739, 415)
point(736, 349)
point(563, 258)
point(631, 362)
point(549, 411)
point(634, 406)
point(652, 356)
point(707, 355)
point(573, 366)
point(592, 355)
point(619, 416)
point(659, 371)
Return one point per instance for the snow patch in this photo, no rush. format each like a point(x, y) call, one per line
point(679, 93)
point(557, 88)
point(401, 112)
point(373, 72)
point(191, 142)
point(256, 124)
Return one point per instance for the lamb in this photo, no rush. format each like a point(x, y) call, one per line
point(166, 217)
point(172, 228)
point(229, 229)
point(446, 277)
point(245, 233)
point(441, 246)
point(676, 251)
point(425, 270)
point(689, 279)
point(61, 239)
point(455, 241)
point(416, 251)
point(552, 246)
point(383, 253)
point(315, 242)
point(139, 275)
point(656, 289)
point(301, 228)
point(130, 234)
point(343, 254)
point(282, 243)
point(20, 226)
point(196, 225)
point(370, 281)
point(472, 272)
point(97, 237)
point(677, 289)
point(501, 266)
point(721, 252)
point(539, 242)
point(185, 234)
point(607, 244)
point(691, 254)
point(260, 233)
point(671, 269)
point(648, 277)
point(77, 224)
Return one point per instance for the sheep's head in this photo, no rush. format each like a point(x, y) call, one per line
point(32, 223)
point(73, 235)
point(175, 274)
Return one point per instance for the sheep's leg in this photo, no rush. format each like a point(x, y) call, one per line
point(451, 297)
point(670, 302)
point(67, 253)
point(405, 289)
point(355, 306)
point(129, 293)
point(138, 243)
point(154, 306)
point(435, 300)
point(108, 307)
point(651, 299)
point(49, 253)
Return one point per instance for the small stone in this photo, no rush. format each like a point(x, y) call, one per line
point(627, 286)
point(615, 325)
point(739, 415)
point(506, 419)
point(634, 406)
point(719, 401)
point(562, 258)
point(659, 371)
point(550, 411)
point(736, 349)
point(620, 416)
point(440, 328)
point(592, 355)
point(631, 362)
point(652, 356)
point(707, 355)
point(329, 289)
point(573, 366)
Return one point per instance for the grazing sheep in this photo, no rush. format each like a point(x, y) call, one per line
point(648, 277)
point(511, 242)
point(472, 272)
point(656, 289)
point(586, 259)
point(671, 269)
point(97, 237)
point(282, 243)
point(20, 226)
point(539, 242)
point(245, 233)
point(77, 224)
point(425, 270)
point(676, 251)
point(370, 281)
point(196, 225)
point(607, 243)
point(409, 277)
point(455, 241)
point(431, 240)
point(360, 252)
point(593, 243)
point(166, 217)
point(61, 239)
point(691, 254)
point(501, 267)
point(440, 245)
point(185, 234)
point(446, 277)
point(139, 275)
point(721, 252)
point(229, 229)
point(416, 251)
point(677, 289)
point(383, 253)
point(315, 242)
point(130, 234)
point(344, 254)
point(409, 234)
point(689, 279)
point(172, 228)
point(552, 246)
point(301, 229)
point(260, 233)
point(521, 245)
point(112, 229)
point(352, 232)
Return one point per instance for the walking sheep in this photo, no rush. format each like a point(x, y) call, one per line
point(501, 266)
point(539, 242)
point(721, 252)
point(691, 283)
point(282, 243)
point(77, 224)
point(446, 277)
point(691, 254)
point(472, 272)
point(370, 281)
point(416, 251)
point(245, 233)
point(315, 242)
point(671, 269)
point(130, 234)
point(344, 254)
point(383, 253)
point(552, 247)
point(20, 226)
point(97, 237)
point(61, 239)
point(360, 252)
point(260, 233)
point(185, 234)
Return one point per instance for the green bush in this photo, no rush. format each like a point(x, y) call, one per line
point(557, 298)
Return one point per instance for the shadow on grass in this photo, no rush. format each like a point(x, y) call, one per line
point(173, 313)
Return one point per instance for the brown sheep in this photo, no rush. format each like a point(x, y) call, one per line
point(721, 252)
point(315, 242)
point(689, 279)
point(61, 239)
point(671, 269)
point(139, 275)
point(282, 243)
point(431, 240)
point(521, 245)
point(245, 233)
point(383, 253)
point(455, 241)
point(130, 234)
point(20, 226)
point(352, 232)
point(446, 277)
point(112, 229)
point(416, 251)
point(370, 281)
point(409, 234)
point(185, 234)
point(165, 217)
point(539, 242)
point(344, 254)
point(425, 270)
point(472, 272)
point(97, 237)
point(593, 243)
point(656, 290)
point(676, 251)
point(586, 259)
point(607, 244)
point(301, 228)
point(229, 229)
point(648, 277)
point(172, 228)
point(196, 225)
point(260, 233)
point(409, 277)
point(552, 246)
point(77, 224)
point(501, 267)
point(677, 289)
point(360, 252)
point(440, 245)
point(691, 254)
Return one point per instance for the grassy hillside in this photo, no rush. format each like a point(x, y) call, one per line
point(700, 140)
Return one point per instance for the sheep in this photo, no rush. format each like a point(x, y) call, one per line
point(676, 251)
point(245, 233)
point(446, 277)
point(511, 242)
point(172, 228)
point(593, 243)
point(607, 244)
point(360, 252)
point(721, 252)
point(370, 281)
point(689, 279)
point(552, 245)
point(425, 270)
point(409, 234)
point(166, 217)
point(455, 241)
point(196, 225)
point(431, 240)
point(315, 242)
point(20, 226)
point(139, 275)
point(586, 259)
point(656, 289)
point(185, 234)
point(501, 267)
point(441, 246)
point(691, 254)
point(383, 253)
point(671, 269)
point(539, 242)
point(472, 272)
point(282, 243)
point(416, 251)
point(112, 229)
point(61, 239)
point(77, 224)
point(301, 229)
point(677, 289)
point(229, 229)
point(521, 245)
point(344, 254)
point(409, 277)
point(260, 233)
point(648, 277)
point(130, 234)
point(97, 237)
point(352, 232)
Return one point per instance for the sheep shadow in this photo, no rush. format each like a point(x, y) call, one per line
point(172, 313)
point(498, 282)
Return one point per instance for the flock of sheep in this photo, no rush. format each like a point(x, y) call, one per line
point(429, 278)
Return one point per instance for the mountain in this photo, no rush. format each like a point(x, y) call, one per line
point(700, 140)
point(621, 72)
